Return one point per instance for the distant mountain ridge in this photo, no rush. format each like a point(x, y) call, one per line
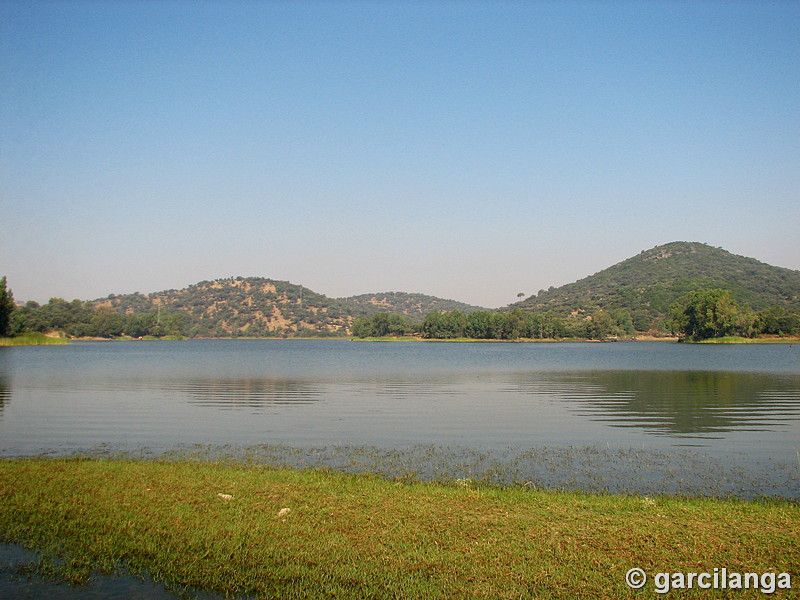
point(647, 284)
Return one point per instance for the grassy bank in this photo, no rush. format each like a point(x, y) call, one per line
point(33, 339)
point(316, 534)
point(40, 339)
point(734, 339)
point(414, 338)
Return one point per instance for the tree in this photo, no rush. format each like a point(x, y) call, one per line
point(551, 326)
point(382, 324)
point(705, 314)
point(602, 325)
point(173, 324)
point(777, 320)
point(362, 327)
point(432, 325)
point(6, 308)
point(107, 323)
point(453, 324)
point(478, 325)
point(139, 325)
point(516, 324)
point(400, 325)
point(444, 325)
point(623, 321)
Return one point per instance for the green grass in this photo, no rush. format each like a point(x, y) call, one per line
point(360, 536)
point(412, 338)
point(734, 339)
point(32, 339)
point(388, 338)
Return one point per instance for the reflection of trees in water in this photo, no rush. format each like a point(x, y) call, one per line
point(680, 402)
point(246, 392)
point(5, 381)
point(5, 392)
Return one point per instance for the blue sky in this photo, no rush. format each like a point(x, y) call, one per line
point(469, 150)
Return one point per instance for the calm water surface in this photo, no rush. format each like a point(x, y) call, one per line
point(738, 404)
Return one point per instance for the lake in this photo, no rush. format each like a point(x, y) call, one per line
point(648, 417)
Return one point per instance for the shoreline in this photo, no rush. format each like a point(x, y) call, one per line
point(46, 339)
point(465, 340)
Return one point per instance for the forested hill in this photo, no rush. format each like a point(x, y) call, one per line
point(264, 307)
point(243, 306)
point(648, 283)
point(413, 306)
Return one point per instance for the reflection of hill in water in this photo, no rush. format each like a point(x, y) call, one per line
point(245, 392)
point(684, 403)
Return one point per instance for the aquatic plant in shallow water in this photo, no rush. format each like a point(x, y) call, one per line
point(592, 468)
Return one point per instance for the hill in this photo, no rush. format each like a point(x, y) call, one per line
point(261, 307)
point(648, 283)
point(413, 306)
point(250, 306)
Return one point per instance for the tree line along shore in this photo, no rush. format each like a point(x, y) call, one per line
point(699, 315)
point(702, 314)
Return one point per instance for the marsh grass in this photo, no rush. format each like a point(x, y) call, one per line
point(33, 339)
point(416, 338)
point(593, 468)
point(219, 526)
point(733, 339)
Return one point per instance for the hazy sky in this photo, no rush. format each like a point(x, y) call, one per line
point(469, 150)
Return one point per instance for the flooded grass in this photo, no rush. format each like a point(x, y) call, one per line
point(592, 468)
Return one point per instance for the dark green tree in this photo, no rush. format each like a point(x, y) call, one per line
point(432, 325)
point(705, 314)
point(516, 325)
point(107, 323)
point(173, 324)
point(139, 324)
point(400, 325)
point(382, 324)
point(478, 325)
point(602, 325)
point(361, 328)
point(6, 308)
point(551, 326)
point(444, 325)
point(497, 326)
point(454, 322)
point(778, 320)
point(623, 321)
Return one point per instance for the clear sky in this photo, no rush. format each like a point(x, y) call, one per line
point(468, 150)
